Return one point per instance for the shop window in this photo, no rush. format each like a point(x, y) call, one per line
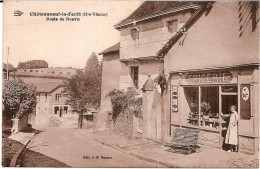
point(57, 97)
point(134, 75)
point(134, 34)
point(172, 25)
point(210, 106)
point(192, 97)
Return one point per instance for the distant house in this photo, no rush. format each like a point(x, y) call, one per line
point(51, 103)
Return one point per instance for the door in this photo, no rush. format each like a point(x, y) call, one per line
point(228, 98)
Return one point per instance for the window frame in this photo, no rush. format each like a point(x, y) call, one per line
point(135, 82)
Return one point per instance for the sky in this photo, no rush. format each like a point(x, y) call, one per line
point(61, 43)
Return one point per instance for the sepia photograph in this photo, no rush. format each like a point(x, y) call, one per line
point(130, 84)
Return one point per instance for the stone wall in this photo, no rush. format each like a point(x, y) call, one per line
point(123, 124)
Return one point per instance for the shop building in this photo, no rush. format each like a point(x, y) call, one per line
point(212, 63)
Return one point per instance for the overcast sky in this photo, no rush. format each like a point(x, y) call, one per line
point(61, 43)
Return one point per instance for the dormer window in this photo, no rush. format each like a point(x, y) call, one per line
point(134, 34)
point(172, 25)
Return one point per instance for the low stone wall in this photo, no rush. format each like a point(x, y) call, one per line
point(123, 124)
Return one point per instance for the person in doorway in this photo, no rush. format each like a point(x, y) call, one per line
point(231, 136)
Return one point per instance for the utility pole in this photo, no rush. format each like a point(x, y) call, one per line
point(7, 68)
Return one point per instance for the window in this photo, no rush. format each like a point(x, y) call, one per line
point(192, 98)
point(56, 110)
point(202, 105)
point(46, 96)
point(172, 25)
point(57, 98)
point(134, 76)
point(134, 33)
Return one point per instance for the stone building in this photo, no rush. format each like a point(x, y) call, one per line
point(142, 34)
point(210, 57)
point(214, 60)
point(110, 81)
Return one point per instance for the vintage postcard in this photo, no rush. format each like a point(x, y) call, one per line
point(130, 84)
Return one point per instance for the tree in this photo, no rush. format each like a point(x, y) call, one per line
point(10, 66)
point(32, 64)
point(83, 89)
point(19, 98)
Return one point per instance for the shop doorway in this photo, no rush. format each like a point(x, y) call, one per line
point(227, 99)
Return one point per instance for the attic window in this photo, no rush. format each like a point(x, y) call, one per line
point(134, 34)
point(172, 25)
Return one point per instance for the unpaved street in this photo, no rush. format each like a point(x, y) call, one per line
point(80, 151)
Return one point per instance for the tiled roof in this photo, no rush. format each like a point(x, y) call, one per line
point(113, 48)
point(150, 8)
point(44, 86)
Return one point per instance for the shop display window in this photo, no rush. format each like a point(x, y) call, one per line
point(192, 97)
point(210, 107)
point(202, 105)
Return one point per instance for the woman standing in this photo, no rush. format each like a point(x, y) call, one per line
point(231, 136)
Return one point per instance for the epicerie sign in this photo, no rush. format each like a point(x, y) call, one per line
point(212, 77)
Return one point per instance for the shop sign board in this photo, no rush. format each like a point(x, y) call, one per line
point(210, 77)
point(245, 107)
point(174, 98)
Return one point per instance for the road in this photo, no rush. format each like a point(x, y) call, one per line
point(76, 150)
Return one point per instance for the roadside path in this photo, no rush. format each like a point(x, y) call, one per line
point(76, 150)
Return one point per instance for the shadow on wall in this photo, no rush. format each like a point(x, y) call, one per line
point(248, 11)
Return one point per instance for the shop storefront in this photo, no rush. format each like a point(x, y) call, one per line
point(199, 97)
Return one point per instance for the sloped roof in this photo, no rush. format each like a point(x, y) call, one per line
point(111, 49)
point(45, 86)
point(164, 50)
point(155, 8)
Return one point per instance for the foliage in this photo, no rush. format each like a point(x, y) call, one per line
point(32, 64)
point(205, 107)
point(19, 98)
point(10, 66)
point(161, 78)
point(83, 89)
point(125, 101)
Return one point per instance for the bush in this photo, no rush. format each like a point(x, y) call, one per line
point(125, 101)
point(19, 98)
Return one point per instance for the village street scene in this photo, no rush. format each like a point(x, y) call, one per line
point(131, 84)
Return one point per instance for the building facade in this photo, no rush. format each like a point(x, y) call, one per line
point(216, 66)
point(143, 33)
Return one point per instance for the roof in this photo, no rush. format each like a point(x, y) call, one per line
point(111, 49)
point(150, 9)
point(46, 87)
point(164, 50)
